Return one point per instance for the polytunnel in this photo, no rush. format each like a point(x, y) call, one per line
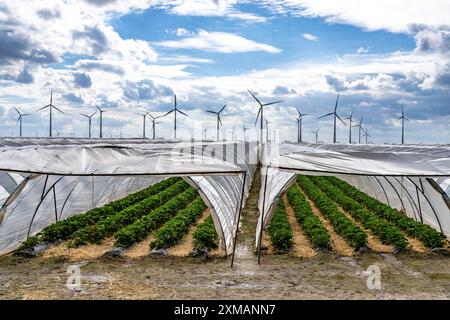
point(47, 180)
point(412, 178)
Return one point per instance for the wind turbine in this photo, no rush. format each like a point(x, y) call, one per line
point(101, 120)
point(244, 128)
point(299, 119)
point(317, 134)
point(219, 121)
point(335, 116)
point(90, 121)
point(366, 134)
point(261, 112)
point(403, 118)
point(175, 110)
point(144, 115)
point(19, 119)
point(204, 133)
point(359, 126)
point(350, 127)
point(154, 123)
point(50, 106)
point(267, 129)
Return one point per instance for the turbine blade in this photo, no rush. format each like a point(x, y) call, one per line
point(209, 111)
point(270, 103)
point(340, 118)
point(18, 119)
point(43, 108)
point(336, 105)
point(184, 114)
point(57, 109)
point(220, 120)
point(255, 97)
point(175, 100)
point(257, 116)
point(17, 110)
point(169, 112)
point(85, 115)
point(325, 115)
point(222, 108)
point(93, 114)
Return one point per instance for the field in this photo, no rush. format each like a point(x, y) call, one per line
point(323, 236)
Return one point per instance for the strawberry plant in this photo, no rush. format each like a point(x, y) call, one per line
point(205, 237)
point(430, 237)
point(140, 228)
point(106, 227)
point(386, 231)
point(310, 223)
point(280, 229)
point(354, 236)
point(173, 230)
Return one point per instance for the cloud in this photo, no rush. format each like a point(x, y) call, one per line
point(73, 98)
point(182, 32)
point(362, 50)
point(283, 90)
point(100, 3)
point(310, 37)
point(432, 39)
point(145, 90)
point(394, 16)
point(209, 8)
point(25, 77)
point(92, 38)
point(82, 80)
point(49, 14)
point(99, 65)
point(219, 42)
point(336, 83)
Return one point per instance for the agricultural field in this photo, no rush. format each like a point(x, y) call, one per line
point(161, 242)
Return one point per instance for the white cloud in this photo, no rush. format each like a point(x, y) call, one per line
point(219, 42)
point(362, 50)
point(310, 37)
point(182, 32)
point(394, 16)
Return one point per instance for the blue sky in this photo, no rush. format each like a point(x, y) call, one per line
point(133, 56)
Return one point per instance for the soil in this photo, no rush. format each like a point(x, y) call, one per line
point(327, 275)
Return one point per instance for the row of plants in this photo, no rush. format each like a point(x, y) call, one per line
point(64, 229)
point(112, 223)
point(173, 230)
point(139, 229)
point(387, 232)
point(205, 236)
point(280, 230)
point(353, 235)
point(310, 223)
point(430, 237)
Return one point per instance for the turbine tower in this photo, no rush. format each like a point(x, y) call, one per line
point(317, 134)
point(154, 123)
point(366, 134)
point(19, 119)
point(299, 119)
point(335, 116)
point(101, 120)
point(175, 110)
point(261, 113)
point(50, 106)
point(144, 115)
point(359, 126)
point(244, 129)
point(267, 129)
point(403, 118)
point(219, 121)
point(350, 127)
point(90, 121)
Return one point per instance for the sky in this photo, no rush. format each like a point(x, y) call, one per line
point(131, 57)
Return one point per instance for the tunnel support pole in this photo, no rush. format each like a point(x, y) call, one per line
point(239, 217)
point(262, 216)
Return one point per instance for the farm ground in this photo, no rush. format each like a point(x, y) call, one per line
point(303, 274)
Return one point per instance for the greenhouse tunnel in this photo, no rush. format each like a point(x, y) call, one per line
point(413, 179)
point(52, 179)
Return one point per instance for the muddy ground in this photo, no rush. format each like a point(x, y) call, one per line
point(320, 275)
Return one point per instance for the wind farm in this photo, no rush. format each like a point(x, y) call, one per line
point(224, 150)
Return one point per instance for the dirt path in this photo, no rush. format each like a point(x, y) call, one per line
point(301, 247)
point(416, 245)
point(85, 252)
point(373, 242)
point(140, 249)
point(338, 244)
point(184, 248)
